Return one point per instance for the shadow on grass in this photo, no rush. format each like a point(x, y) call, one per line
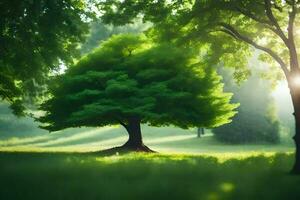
point(145, 176)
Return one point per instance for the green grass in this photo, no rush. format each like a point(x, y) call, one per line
point(186, 168)
point(163, 139)
point(62, 176)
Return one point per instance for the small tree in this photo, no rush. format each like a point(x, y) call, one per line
point(129, 81)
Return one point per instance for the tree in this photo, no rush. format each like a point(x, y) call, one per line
point(228, 29)
point(129, 81)
point(256, 120)
point(35, 38)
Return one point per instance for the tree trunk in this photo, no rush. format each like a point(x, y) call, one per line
point(200, 131)
point(296, 167)
point(295, 94)
point(135, 141)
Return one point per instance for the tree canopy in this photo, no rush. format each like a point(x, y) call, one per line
point(226, 29)
point(35, 38)
point(130, 77)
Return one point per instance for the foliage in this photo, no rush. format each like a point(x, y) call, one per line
point(256, 120)
point(128, 77)
point(225, 29)
point(177, 177)
point(35, 38)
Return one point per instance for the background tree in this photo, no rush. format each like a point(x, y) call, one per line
point(256, 120)
point(99, 32)
point(228, 29)
point(130, 81)
point(35, 38)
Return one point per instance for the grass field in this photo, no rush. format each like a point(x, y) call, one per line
point(163, 139)
point(137, 176)
point(44, 166)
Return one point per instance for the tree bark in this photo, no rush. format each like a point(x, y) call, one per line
point(296, 167)
point(295, 94)
point(200, 131)
point(135, 141)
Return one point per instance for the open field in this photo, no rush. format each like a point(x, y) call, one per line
point(187, 167)
point(163, 139)
point(137, 176)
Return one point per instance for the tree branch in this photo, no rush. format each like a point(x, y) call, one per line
point(274, 22)
point(122, 123)
point(6, 96)
point(266, 23)
point(254, 17)
point(276, 6)
point(292, 46)
point(270, 24)
point(233, 32)
point(292, 16)
point(229, 33)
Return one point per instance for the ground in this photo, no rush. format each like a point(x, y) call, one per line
point(187, 167)
point(163, 139)
point(73, 176)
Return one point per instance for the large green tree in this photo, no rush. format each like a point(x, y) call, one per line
point(130, 81)
point(35, 38)
point(228, 29)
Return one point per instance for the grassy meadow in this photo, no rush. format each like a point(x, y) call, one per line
point(60, 165)
point(163, 139)
point(78, 176)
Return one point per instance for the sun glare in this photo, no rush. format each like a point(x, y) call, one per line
point(296, 80)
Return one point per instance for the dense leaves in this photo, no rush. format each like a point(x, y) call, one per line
point(35, 37)
point(226, 29)
point(129, 77)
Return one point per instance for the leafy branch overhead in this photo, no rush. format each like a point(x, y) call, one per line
point(229, 28)
point(35, 38)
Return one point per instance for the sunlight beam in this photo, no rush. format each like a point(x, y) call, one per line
point(296, 81)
